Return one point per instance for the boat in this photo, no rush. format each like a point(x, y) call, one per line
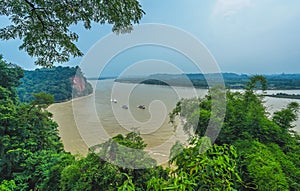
point(113, 100)
point(141, 106)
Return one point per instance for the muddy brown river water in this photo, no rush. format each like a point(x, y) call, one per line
point(90, 120)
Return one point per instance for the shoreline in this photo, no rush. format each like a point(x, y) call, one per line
point(71, 100)
point(199, 87)
point(67, 129)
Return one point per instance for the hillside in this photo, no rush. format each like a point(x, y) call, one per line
point(232, 80)
point(64, 83)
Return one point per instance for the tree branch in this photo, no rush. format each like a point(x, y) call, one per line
point(37, 15)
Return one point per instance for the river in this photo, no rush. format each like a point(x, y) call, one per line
point(90, 120)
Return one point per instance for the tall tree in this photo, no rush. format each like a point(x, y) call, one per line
point(44, 25)
point(9, 77)
point(29, 141)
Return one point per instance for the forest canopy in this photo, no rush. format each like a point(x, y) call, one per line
point(64, 83)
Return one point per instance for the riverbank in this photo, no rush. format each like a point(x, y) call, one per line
point(93, 119)
point(81, 126)
point(67, 128)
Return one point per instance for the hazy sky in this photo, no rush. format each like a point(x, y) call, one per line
point(244, 36)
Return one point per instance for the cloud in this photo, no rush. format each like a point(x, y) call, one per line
point(228, 8)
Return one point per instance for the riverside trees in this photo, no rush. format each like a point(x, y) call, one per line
point(267, 147)
point(29, 142)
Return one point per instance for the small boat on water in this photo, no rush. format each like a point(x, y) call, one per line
point(125, 107)
point(141, 106)
point(113, 100)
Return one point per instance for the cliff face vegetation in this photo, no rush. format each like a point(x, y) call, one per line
point(64, 83)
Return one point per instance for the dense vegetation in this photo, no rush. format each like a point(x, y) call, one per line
point(267, 147)
point(254, 151)
point(64, 83)
point(231, 80)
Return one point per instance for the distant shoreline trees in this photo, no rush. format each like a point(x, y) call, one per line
point(231, 80)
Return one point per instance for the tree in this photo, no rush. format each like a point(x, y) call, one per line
point(90, 173)
point(64, 83)
point(10, 74)
point(288, 164)
point(42, 100)
point(267, 147)
point(192, 169)
point(44, 25)
point(286, 116)
point(29, 141)
point(8, 185)
point(253, 82)
point(261, 170)
point(126, 152)
point(96, 172)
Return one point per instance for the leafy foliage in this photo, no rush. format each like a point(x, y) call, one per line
point(9, 77)
point(286, 116)
point(44, 26)
point(64, 83)
point(193, 169)
point(29, 142)
point(42, 99)
point(267, 147)
point(8, 185)
point(262, 170)
point(127, 154)
point(289, 164)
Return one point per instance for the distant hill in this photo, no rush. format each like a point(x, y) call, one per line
point(232, 80)
point(64, 83)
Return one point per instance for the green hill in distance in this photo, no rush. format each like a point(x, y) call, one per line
point(231, 80)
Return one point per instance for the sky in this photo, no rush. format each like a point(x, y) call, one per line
point(243, 36)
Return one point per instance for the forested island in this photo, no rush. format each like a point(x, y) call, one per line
point(64, 83)
point(231, 80)
point(284, 95)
